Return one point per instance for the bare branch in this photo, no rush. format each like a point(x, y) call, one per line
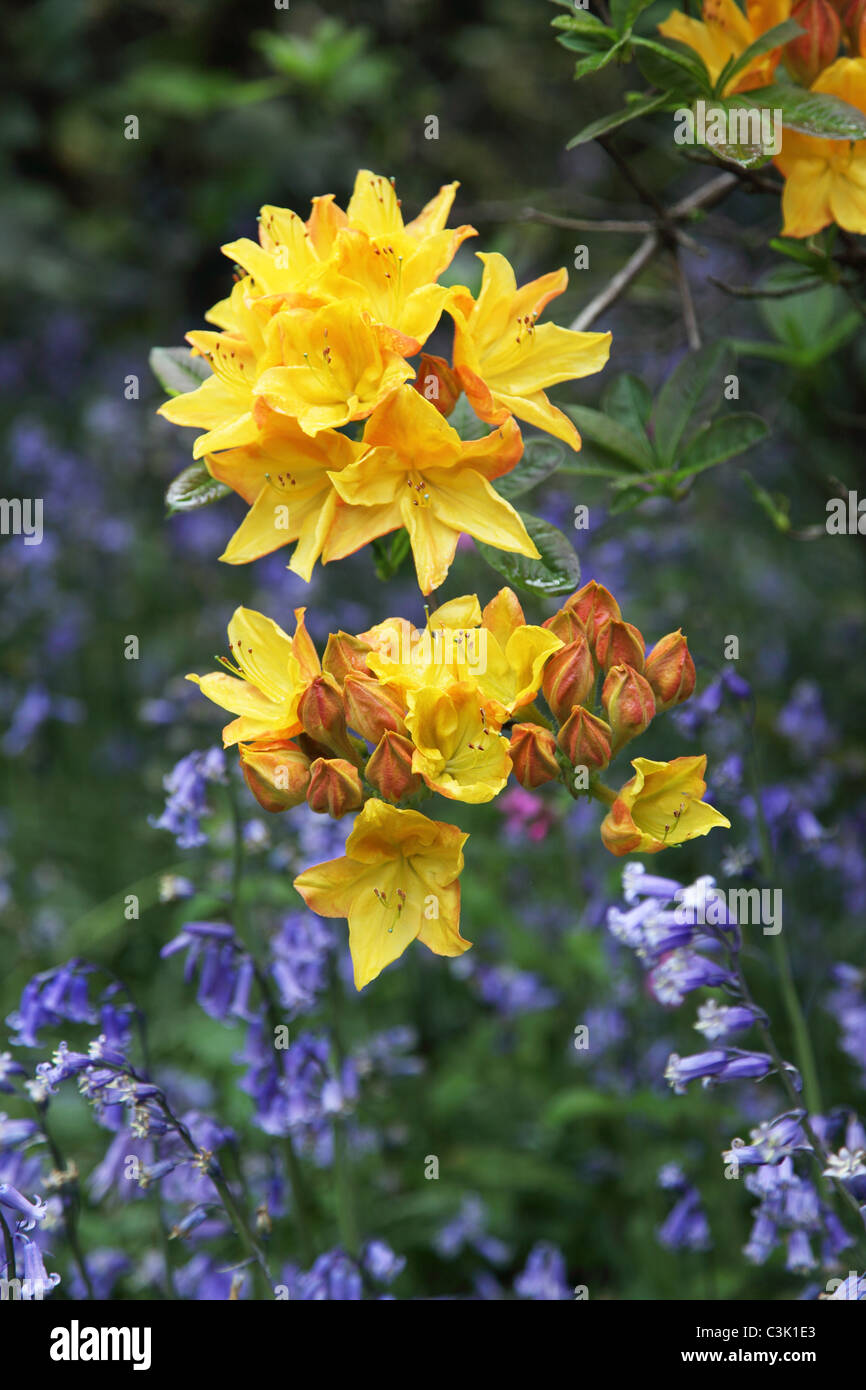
point(623, 278)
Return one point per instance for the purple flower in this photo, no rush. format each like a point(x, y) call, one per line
point(381, 1263)
point(544, 1277)
point(186, 804)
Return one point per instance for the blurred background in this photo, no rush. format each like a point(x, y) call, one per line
point(111, 245)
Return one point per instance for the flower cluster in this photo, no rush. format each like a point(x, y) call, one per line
point(316, 342)
point(391, 715)
point(824, 178)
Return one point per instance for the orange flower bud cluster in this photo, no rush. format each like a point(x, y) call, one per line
point(601, 686)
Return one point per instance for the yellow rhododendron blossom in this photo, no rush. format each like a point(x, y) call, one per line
point(336, 365)
point(661, 806)
point(496, 651)
point(506, 361)
point(825, 180)
point(398, 882)
point(284, 479)
point(456, 752)
point(724, 32)
point(417, 472)
point(271, 671)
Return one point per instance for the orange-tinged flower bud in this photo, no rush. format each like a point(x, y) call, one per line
point(437, 383)
point(629, 701)
point(320, 710)
point(343, 655)
point(853, 15)
point(389, 770)
point(670, 670)
point(565, 625)
point(277, 774)
point(371, 708)
point(618, 644)
point(533, 755)
point(569, 677)
point(335, 788)
point(592, 604)
point(585, 739)
point(811, 52)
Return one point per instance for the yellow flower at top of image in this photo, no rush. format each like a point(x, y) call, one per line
point(496, 651)
point(505, 360)
point(825, 180)
point(660, 807)
point(724, 32)
point(271, 671)
point(417, 472)
point(398, 882)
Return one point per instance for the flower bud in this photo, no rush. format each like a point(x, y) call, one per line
point(853, 16)
point(320, 710)
point(811, 52)
point(437, 383)
point(629, 701)
point(618, 643)
point(565, 625)
point(389, 770)
point(343, 655)
point(371, 708)
point(277, 774)
point(335, 788)
point(569, 677)
point(585, 740)
point(533, 755)
point(670, 670)
point(593, 603)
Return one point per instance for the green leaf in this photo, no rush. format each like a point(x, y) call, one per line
point(627, 399)
point(594, 62)
point(681, 395)
point(464, 420)
point(612, 436)
point(541, 457)
point(177, 371)
point(558, 570)
point(672, 67)
point(777, 507)
point(192, 488)
point(745, 138)
point(645, 103)
point(720, 440)
point(625, 12)
point(773, 38)
point(627, 498)
point(583, 23)
point(811, 113)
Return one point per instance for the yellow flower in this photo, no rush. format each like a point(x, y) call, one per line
point(497, 651)
point(825, 180)
point(223, 405)
point(335, 365)
point(397, 883)
point(661, 806)
point(725, 32)
point(456, 752)
point(270, 674)
point(505, 361)
point(418, 473)
point(284, 479)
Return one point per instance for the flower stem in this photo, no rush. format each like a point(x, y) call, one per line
point(70, 1199)
point(9, 1248)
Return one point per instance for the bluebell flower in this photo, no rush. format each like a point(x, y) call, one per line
point(544, 1277)
point(187, 786)
point(686, 1226)
point(334, 1276)
point(300, 953)
point(104, 1267)
point(468, 1229)
point(381, 1263)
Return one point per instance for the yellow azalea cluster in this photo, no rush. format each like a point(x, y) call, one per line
point(315, 414)
point(388, 717)
point(825, 180)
